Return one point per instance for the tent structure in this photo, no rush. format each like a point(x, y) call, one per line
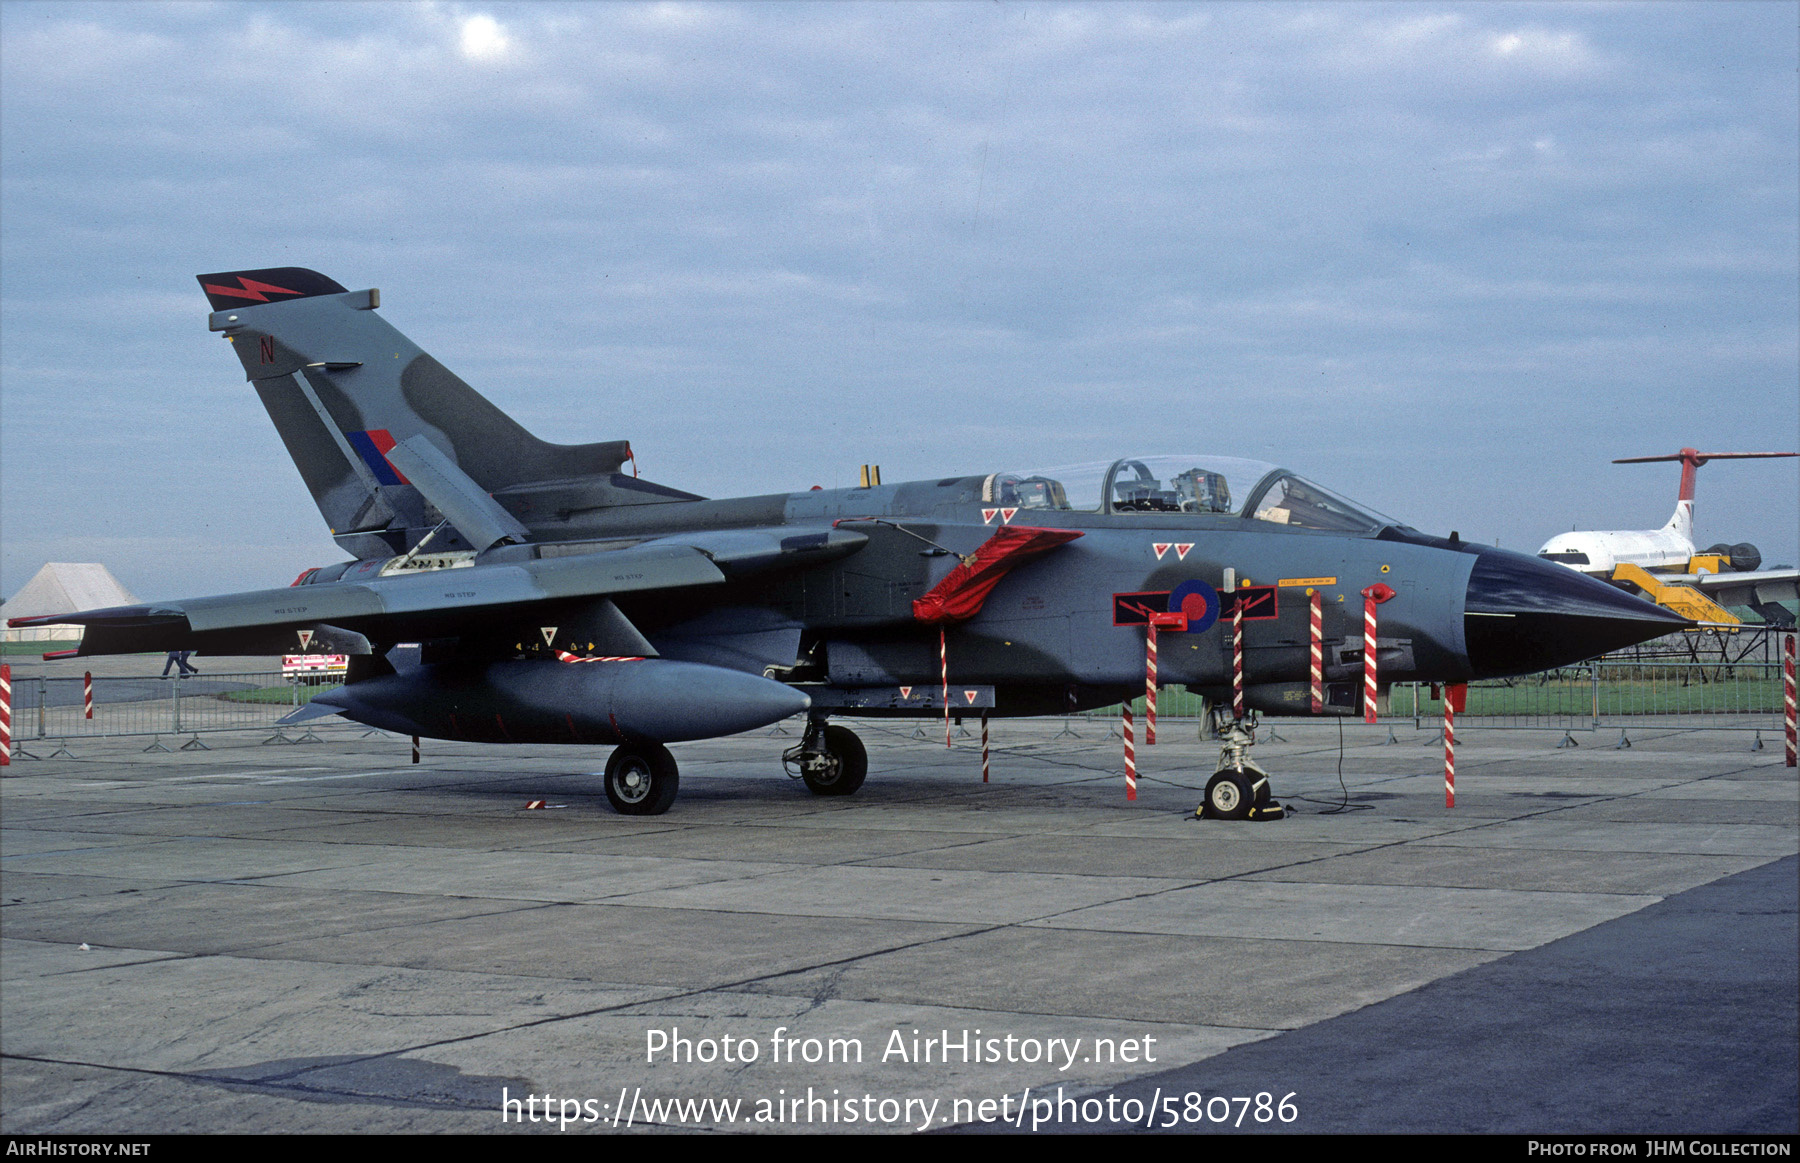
point(63, 587)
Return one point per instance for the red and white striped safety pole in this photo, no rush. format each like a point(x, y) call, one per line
point(1237, 659)
point(1150, 683)
point(984, 745)
point(1130, 758)
point(1372, 596)
point(944, 669)
point(1454, 694)
point(415, 748)
point(87, 692)
point(1171, 620)
point(1787, 697)
point(1316, 648)
point(5, 715)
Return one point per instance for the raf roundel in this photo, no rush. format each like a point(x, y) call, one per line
point(1199, 601)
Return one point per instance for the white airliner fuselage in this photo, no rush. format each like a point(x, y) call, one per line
point(1600, 551)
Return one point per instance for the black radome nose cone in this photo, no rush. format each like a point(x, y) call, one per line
point(1523, 615)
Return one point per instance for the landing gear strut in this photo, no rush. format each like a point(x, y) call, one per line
point(830, 759)
point(1239, 789)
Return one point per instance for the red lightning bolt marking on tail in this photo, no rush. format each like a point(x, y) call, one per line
point(251, 289)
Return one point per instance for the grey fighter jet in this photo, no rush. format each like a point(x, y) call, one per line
point(556, 597)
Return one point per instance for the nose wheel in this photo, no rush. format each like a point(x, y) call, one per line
point(1231, 795)
point(641, 779)
point(1239, 789)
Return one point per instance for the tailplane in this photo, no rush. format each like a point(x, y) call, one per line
point(1681, 522)
point(344, 389)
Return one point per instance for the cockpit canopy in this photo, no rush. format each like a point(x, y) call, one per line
point(1224, 485)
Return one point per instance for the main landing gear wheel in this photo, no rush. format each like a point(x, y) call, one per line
point(1230, 795)
point(831, 760)
point(843, 766)
point(641, 779)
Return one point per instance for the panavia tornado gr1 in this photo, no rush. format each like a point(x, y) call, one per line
point(556, 597)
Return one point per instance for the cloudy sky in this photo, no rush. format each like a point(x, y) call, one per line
point(1449, 259)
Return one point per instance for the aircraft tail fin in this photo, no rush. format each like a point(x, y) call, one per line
point(1682, 521)
point(344, 388)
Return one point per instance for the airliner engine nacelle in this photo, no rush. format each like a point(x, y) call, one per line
point(1743, 557)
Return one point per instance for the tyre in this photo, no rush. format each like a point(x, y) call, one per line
point(1229, 796)
point(848, 764)
point(641, 779)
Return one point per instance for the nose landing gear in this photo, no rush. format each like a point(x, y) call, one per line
point(1239, 789)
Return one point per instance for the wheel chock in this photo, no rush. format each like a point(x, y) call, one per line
point(1272, 810)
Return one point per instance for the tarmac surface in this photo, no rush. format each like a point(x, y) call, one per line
point(328, 938)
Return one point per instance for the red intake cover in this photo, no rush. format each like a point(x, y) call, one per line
point(961, 594)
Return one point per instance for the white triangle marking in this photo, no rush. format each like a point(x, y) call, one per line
point(1161, 548)
point(906, 692)
point(549, 633)
point(1181, 549)
point(1006, 515)
point(987, 516)
point(306, 637)
point(970, 696)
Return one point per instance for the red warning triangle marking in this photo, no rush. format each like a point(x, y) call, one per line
point(1161, 548)
point(549, 633)
point(987, 516)
point(306, 637)
point(1006, 515)
point(970, 696)
point(906, 692)
point(1181, 549)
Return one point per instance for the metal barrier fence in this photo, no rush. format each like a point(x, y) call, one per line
point(1743, 695)
point(66, 710)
